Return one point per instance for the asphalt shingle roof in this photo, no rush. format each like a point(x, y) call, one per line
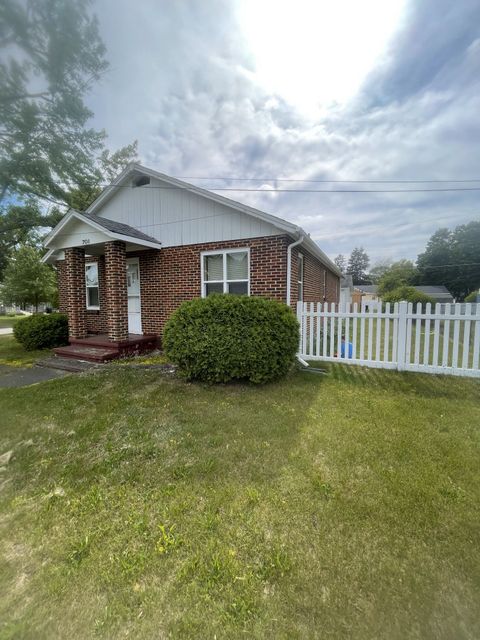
point(118, 227)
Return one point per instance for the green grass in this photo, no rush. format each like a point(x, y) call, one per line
point(339, 506)
point(9, 321)
point(14, 355)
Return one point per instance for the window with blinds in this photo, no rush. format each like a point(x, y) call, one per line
point(226, 272)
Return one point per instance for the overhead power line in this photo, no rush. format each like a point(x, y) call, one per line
point(236, 179)
point(276, 190)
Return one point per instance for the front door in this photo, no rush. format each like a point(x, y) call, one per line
point(133, 291)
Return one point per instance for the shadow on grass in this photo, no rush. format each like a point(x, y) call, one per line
point(132, 426)
point(420, 384)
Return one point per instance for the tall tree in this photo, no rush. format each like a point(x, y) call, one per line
point(18, 225)
point(433, 263)
point(358, 265)
point(400, 274)
point(341, 262)
point(378, 269)
point(51, 53)
point(452, 259)
point(27, 280)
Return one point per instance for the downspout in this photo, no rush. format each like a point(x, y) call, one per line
point(289, 266)
point(289, 282)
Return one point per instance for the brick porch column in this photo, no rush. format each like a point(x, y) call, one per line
point(116, 290)
point(75, 292)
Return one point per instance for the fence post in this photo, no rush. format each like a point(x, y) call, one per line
point(402, 335)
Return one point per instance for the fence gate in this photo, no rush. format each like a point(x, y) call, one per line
point(443, 339)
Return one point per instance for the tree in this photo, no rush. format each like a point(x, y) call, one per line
point(378, 269)
point(51, 54)
point(452, 259)
point(341, 262)
point(409, 294)
point(400, 274)
point(109, 165)
point(17, 226)
point(358, 265)
point(27, 280)
point(431, 264)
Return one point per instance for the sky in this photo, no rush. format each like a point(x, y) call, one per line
point(313, 90)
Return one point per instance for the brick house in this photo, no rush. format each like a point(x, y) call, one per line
point(150, 241)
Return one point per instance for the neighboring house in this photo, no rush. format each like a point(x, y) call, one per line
point(150, 241)
point(438, 293)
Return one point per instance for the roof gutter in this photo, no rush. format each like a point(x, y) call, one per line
point(289, 265)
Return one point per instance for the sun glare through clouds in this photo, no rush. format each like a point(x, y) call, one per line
point(315, 53)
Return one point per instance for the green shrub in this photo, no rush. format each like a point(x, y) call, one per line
point(410, 294)
point(227, 337)
point(472, 297)
point(42, 331)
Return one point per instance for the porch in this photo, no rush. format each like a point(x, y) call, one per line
point(99, 348)
point(99, 286)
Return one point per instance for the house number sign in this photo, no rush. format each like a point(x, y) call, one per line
point(86, 241)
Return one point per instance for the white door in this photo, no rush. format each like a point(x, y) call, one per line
point(133, 291)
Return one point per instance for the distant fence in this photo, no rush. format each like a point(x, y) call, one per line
point(444, 339)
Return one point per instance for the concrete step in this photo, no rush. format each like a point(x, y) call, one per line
point(66, 364)
point(87, 352)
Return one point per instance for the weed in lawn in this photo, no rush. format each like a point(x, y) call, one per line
point(168, 540)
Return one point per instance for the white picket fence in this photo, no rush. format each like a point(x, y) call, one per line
point(444, 339)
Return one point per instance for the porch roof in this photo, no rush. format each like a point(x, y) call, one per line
point(86, 230)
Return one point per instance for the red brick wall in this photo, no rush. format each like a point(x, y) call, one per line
point(96, 320)
point(319, 283)
point(171, 275)
point(74, 292)
point(116, 286)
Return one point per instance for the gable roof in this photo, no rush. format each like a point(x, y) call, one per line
point(111, 228)
point(118, 227)
point(367, 288)
point(288, 227)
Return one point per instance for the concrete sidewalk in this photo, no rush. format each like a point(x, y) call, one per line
point(11, 377)
point(6, 331)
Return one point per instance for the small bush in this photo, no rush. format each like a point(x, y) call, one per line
point(42, 331)
point(409, 294)
point(472, 297)
point(227, 337)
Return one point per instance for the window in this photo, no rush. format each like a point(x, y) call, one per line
point(91, 284)
point(226, 272)
point(300, 277)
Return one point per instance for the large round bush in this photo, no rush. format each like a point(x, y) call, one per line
point(409, 294)
point(227, 337)
point(42, 331)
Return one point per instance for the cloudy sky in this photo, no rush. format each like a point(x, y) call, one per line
point(314, 90)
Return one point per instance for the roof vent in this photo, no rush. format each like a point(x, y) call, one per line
point(141, 181)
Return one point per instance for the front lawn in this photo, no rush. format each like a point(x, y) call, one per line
point(9, 321)
point(14, 355)
point(341, 506)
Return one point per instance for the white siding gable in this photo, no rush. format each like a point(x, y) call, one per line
point(177, 217)
point(78, 234)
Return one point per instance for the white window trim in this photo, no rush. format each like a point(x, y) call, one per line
point(301, 259)
point(87, 287)
point(225, 282)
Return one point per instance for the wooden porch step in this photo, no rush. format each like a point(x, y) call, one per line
point(87, 352)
